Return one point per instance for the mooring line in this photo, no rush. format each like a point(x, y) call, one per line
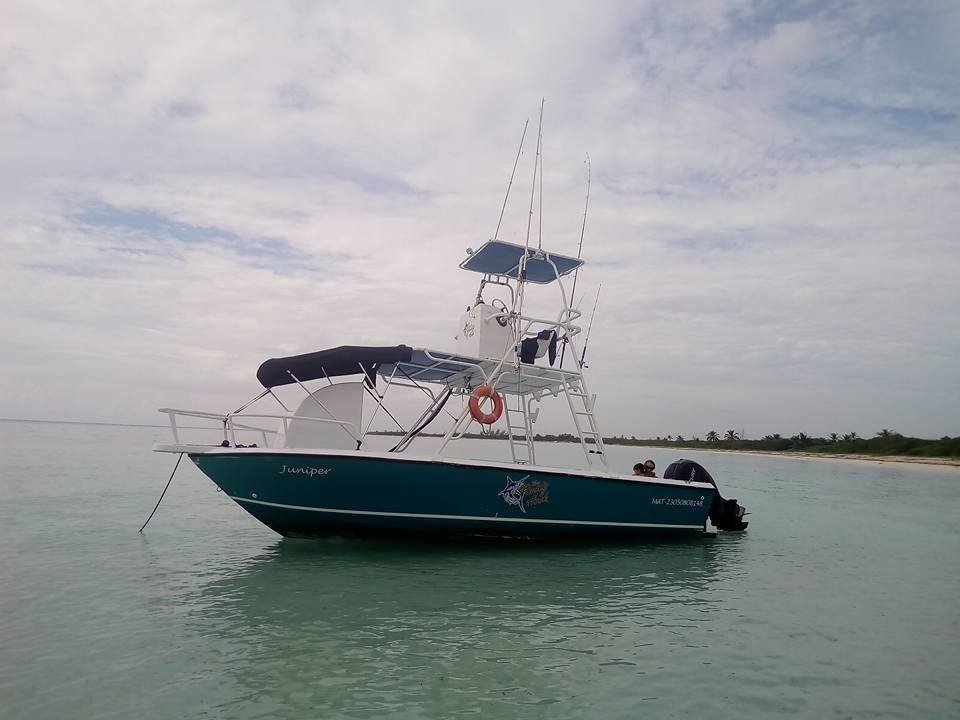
point(164, 491)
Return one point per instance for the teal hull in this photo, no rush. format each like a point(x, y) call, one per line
point(323, 494)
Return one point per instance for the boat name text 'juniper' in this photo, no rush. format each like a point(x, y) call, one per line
point(301, 470)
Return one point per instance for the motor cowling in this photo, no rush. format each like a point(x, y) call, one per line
point(724, 514)
point(688, 471)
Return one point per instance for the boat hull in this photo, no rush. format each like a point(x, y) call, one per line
point(318, 494)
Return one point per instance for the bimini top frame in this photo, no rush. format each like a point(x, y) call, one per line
point(335, 362)
point(460, 373)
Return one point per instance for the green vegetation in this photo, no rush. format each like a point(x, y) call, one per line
point(886, 442)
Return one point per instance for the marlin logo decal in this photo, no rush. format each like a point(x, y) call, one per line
point(513, 492)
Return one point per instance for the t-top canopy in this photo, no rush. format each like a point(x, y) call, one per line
point(343, 360)
point(502, 258)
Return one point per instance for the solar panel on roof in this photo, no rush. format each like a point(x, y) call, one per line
point(502, 258)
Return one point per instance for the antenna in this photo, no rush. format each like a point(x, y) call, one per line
point(522, 267)
point(540, 145)
point(590, 326)
point(533, 187)
point(510, 184)
point(583, 227)
point(583, 224)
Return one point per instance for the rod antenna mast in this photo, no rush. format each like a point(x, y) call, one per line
point(576, 273)
point(540, 145)
point(586, 340)
point(512, 174)
point(533, 187)
point(522, 268)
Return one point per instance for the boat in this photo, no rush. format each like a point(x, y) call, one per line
point(312, 468)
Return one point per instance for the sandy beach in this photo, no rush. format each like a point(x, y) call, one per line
point(906, 459)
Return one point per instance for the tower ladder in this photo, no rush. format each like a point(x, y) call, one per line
point(519, 428)
point(584, 419)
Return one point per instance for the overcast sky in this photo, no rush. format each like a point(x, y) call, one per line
point(189, 188)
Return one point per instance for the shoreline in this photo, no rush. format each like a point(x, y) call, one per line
point(800, 455)
point(937, 461)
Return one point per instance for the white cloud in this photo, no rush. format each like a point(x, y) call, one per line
point(773, 213)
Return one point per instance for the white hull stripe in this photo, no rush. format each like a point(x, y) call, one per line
point(480, 518)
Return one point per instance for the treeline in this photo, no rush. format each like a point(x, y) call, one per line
point(885, 442)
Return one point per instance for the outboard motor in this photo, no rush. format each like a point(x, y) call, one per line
point(724, 514)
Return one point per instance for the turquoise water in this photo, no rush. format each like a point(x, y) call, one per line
point(842, 600)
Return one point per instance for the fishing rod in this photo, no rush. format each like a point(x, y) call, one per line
point(533, 186)
point(593, 314)
point(512, 174)
point(506, 197)
point(522, 268)
point(576, 273)
point(540, 202)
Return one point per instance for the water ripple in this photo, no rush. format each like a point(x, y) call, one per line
point(818, 611)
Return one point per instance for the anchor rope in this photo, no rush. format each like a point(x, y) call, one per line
point(164, 491)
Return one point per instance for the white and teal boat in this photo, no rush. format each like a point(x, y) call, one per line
point(305, 468)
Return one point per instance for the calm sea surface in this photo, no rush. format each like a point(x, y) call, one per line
point(842, 600)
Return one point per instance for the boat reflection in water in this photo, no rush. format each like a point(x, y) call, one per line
point(366, 626)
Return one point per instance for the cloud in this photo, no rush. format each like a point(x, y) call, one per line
point(190, 189)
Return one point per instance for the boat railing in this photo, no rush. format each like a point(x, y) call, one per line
point(565, 324)
point(553, 324)
point(231, 426)
point(466, 365)
point(499, 374)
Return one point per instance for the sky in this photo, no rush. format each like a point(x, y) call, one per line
point(189, 188)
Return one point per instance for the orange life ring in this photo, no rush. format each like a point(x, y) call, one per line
point(479, 415)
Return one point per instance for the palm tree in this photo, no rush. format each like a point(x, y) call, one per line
point(885, 433)
point(834, 437)
point(679, 438)
point(731, 435)
point(712, 436)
